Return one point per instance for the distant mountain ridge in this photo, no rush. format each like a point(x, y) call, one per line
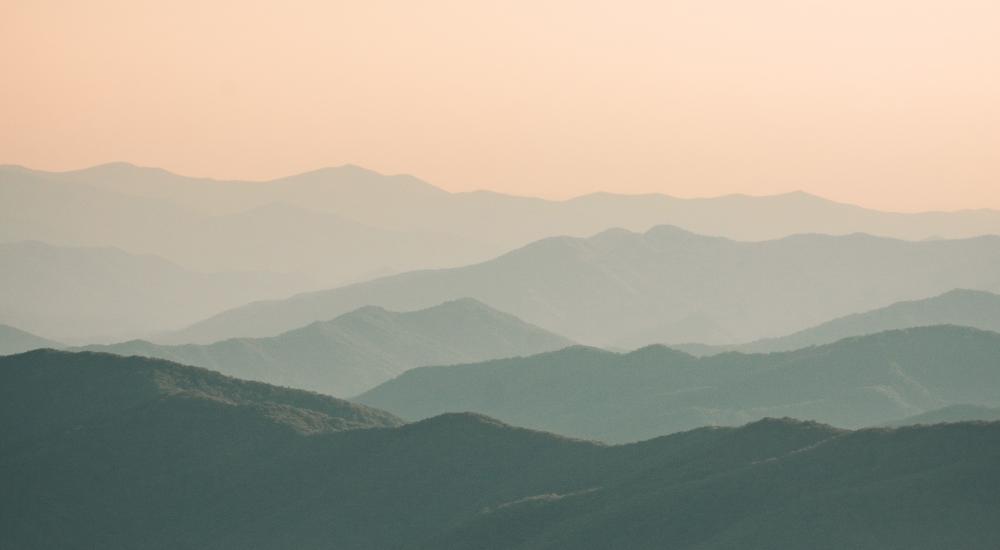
point(667, 285)
point(14, 340)
point(402, 202)
point(597, 394)
point(132, 452)
point(97, 209)
point(100, 293)
point(344, 222)
point(363, 348)
point(960, 307)
point(68, 389)
point(950, 414)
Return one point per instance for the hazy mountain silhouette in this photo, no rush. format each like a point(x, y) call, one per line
point(14, 340)
point(869, 489)
point(101, 451)
point(361, 349)
point(75, 293)
point(591, 393)
point(337, 224)
point(951, 413)
point(266, 235)
point(50, 392)
point(667, 285)
point(969, 308)
point(407, 203)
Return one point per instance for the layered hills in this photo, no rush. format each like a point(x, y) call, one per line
point(627, 290)
point(340, 224)
point(363, 348)
point(968, 308)
point(100, 293)
point(14, 340)
point(103, 451)
point(597, 394)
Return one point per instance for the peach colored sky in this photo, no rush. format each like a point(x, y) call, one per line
point(892, 104)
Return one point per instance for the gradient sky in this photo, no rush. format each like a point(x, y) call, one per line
point(893, 104)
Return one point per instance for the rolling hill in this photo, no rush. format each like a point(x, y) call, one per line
point(626, 289)
point(408, 204)
point(64, 209)
point(361, 349)
point(100, 451)
point(341, 224)
point(51, 392)
point(14, 340)
point(97, 294)
point(596, 394)
point(951, 413)
point(967, 308)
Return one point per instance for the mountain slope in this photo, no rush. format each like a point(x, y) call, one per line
point(822, 496)
point(951, 413)
point(97, 293)
point(407, 204)
point(107, 207)
point(969, 308)
point(590, 393)
point(363, 348)
point(14, 340)
point(626, 290)
point(128, 452)
point(50, 392)
point(340, 224)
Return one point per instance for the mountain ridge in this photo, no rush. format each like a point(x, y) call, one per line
point(362, 348)
point(125, 166)
point(14, 340)
point(959, 307)
point(123, 462)
point(620, 397)
point(88, 293)
point(626, 289)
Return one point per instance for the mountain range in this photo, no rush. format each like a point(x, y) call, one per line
point(337, 225)
point(14, 340)
point(667, 285)
point(406, 203)
point(967, 308)
point(102, 451)
point(99, 293)
point(597, 394)
point(87, 209)
point(950, 414)
point(363, 348)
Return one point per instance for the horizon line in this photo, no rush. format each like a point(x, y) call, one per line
point(353, 166)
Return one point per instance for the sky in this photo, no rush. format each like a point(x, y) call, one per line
point(891, 104)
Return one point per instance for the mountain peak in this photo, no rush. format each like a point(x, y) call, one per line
point(969, 293)
point(659, 351)
point(136, 379)
point(464, 304)
point(120, 168)
point(349, 175)
point(672, 232)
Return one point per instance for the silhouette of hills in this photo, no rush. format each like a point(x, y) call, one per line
point(14, 340)
point(90, 293)
point(596, 394)
point(108, 206)
point(951, 413)
point(667, 285)
point(103, 451)
point(344, 222)
point(363, 348)
point(407, 203)
point(970, 308)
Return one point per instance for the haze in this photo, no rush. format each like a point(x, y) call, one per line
point(888, 104)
